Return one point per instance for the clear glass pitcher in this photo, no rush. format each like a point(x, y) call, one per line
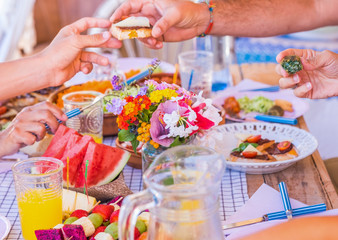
point(181, 195)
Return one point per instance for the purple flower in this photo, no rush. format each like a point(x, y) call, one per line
point(142, 91)
point(116, 105)
point(157, 128)
point(116, 83)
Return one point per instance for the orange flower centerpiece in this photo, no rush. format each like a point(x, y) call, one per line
point(161, 115)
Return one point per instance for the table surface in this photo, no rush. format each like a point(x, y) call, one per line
point(308, 180)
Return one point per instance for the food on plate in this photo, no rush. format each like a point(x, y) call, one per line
point(254, 148)
point(276, 110)
point(38, 148)
point(81, 154)
point(131, 27)
point(231, 105)
point(93, 225)
point(291, 64)
point(286, 105)
point(256, 104)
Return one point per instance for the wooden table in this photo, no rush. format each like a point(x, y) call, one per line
point(307, 180)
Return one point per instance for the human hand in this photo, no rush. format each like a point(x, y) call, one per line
point(29, 126)
point(65, 56)
point(172, 20)
point(319, 77)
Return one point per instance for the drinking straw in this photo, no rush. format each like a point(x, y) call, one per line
point(175, 74)
point(86, 172)
point(190, 80)
point(286, 200)
point(67, 173)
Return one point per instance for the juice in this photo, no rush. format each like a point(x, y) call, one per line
point(97, 138)
point(39, 209)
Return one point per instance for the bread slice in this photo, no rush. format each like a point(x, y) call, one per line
point(122, 33)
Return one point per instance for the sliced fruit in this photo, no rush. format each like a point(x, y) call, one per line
point(79, 213)
point(88, 226)
point(144, 236)
point(254, 138)
point(98, 230)
point(60, 225)
point(74, 232)
point(55, 234)
point(106, 223)
point(249, 154)
point(114, 217)
point(137, 233)
point(283, 145)
point(70, 220)
point(96, 219)
point(116, 201)
point(103, 236)
point(144, 216)
point(84, 202)
point(112, 229)
point(68, 202)
point(104, 210)
point(105, 164)
point(141, 226)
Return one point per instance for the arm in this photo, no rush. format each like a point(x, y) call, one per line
point(60, 61)
point(181, 20)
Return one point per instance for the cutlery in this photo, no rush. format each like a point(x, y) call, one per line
point(265, 89)
point(278, 215)
point(145, 73)
point(276, 119)
point(286, 200)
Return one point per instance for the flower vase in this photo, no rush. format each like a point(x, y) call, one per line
point(149, 153)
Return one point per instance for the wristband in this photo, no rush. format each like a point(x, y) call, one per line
point(211, 22)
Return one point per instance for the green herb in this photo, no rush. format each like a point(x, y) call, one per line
point(292, 64)
point(257, 104)
point(243, 146)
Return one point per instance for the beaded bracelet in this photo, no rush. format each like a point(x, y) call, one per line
point(211, 22)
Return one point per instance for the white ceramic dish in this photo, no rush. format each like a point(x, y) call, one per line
point(223, 140)
point(5, 227)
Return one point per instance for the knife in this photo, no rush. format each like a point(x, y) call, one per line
point(278, 215)
point(286, 200)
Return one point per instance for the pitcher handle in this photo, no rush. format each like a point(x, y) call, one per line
point(132, 206)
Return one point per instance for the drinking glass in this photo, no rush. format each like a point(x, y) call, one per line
point(196, 69)
point(90, 121)
point(38, 186)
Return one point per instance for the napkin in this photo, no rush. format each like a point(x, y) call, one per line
point(264, 200)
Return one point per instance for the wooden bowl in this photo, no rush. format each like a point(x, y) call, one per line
point(135, 159)
point(109, 119)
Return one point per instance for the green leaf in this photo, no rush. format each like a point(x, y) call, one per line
point(236, 149)
point(178, 141)
point(243, 146)
point(135, 144)
point(126, 135)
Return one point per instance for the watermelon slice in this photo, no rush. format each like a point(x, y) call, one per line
point(75, 150)
point(105, 164)
point(57, 147)
point(55, 234)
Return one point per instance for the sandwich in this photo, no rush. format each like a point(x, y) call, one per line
point(131, 27)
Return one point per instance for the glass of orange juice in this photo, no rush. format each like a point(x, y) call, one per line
point(38, 186)
point(90, 121)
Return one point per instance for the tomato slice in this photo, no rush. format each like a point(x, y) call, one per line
point(283, 145)
point(254, 138)
point(249, 154)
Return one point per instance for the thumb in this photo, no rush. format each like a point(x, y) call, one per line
point(95, 40)
point(169, 19)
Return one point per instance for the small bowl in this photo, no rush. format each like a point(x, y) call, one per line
point(135, 159)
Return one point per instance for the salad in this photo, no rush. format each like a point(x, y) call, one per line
point(257, 104)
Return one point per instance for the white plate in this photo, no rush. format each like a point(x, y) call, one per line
point(5, 227)
point(299, 105)
point(223, 140)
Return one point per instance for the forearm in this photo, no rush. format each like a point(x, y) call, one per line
point(261, 18)
point(22, 76)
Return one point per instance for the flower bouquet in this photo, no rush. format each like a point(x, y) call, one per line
point(161, 114)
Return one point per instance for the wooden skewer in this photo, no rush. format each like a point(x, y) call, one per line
point(175, 74)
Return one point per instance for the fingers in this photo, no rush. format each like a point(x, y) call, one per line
point(85, 23)
point(95, 40)
point(280, 70)
point(152, 43)
point(57, 112)
point(37, 129)
point(320, 60)
point(303, 90)
point(92, 57)
point(127, 8)
point(289, 82)
point(111, 43)
point(86, 67)
point(305, 53)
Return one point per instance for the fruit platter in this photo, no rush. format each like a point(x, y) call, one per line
point(100, 222)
